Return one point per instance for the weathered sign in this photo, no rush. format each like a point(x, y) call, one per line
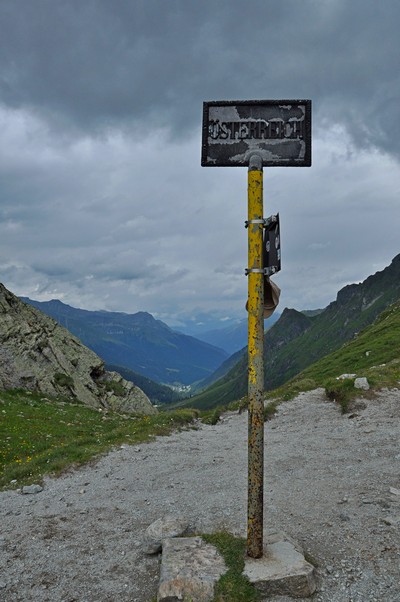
point(279, 131)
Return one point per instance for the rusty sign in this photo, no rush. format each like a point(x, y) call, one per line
point(279, 131)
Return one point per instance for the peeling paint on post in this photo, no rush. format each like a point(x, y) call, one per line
point(255, 501)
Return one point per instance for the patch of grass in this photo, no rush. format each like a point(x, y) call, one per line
point(40, 436)
point(341, 391)
point(270, 410)
point(211, 417)
point(233, 586)
point(115, 387)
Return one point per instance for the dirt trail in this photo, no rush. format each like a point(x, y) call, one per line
point(328, 481)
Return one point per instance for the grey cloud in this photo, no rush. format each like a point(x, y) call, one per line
point(96, 65)
point(103, 208)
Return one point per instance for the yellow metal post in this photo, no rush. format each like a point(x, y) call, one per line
point(255, 360)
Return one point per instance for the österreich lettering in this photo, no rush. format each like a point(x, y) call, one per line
point(279, 131)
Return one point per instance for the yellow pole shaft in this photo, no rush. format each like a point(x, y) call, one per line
point(256, 362)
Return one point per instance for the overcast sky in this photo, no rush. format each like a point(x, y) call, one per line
point(103, 202)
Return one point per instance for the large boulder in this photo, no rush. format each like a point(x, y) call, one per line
point(38, 354)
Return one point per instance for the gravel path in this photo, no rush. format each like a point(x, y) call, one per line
point(331, 483)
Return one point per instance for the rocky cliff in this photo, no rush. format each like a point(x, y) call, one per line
point(39, 355)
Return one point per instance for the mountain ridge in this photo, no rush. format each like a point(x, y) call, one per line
point(138, 342)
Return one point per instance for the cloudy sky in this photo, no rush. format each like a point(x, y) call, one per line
point(103, 202)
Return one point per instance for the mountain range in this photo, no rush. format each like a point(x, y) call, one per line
point(138, 342)
point(298, 339)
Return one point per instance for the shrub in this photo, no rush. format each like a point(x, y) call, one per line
point(63, 380)
point(115, 387)
point(212, 417)
point(270, 410)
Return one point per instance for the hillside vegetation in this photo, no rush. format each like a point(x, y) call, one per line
point(40, 435)
point(373, 353)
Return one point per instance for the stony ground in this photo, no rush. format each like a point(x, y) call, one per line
point(331, 483)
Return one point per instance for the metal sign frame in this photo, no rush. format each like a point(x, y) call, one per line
point(277, 130)
point(272, 246)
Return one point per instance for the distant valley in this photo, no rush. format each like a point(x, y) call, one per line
point(138, 343)
point(232, 338)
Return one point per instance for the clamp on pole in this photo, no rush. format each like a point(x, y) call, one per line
point(264, 221)
point(254, 271)
point(264, 271)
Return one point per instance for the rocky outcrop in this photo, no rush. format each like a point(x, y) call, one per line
point(39, 355)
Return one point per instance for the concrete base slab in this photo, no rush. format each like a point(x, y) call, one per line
point(190, 568)
point(282, 570)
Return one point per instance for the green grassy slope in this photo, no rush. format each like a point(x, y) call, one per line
point(41, 436)
point(374, 353)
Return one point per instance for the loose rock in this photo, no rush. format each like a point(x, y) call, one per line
point(30, 489)
point(361, 383)
point(189, 571)
point(166, 527)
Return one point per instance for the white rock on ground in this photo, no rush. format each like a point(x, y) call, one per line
point(361, 383)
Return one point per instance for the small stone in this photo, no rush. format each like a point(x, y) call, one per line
point(394, 491)
point(361, 383)
point(344, 376)
point(31, 489)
